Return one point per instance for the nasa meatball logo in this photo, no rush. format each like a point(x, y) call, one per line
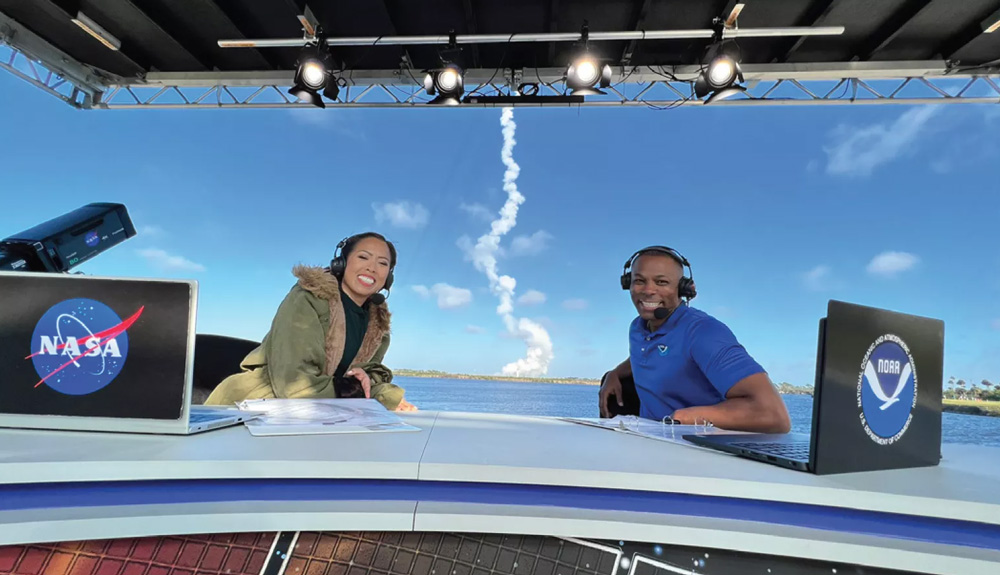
point(92, 239)
point(887, 390)
point(79, 346)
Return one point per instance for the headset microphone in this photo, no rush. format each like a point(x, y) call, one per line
point(662, 313)
point(376, 299)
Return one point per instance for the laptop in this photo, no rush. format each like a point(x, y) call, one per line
point(100, 354)
point(876, 401)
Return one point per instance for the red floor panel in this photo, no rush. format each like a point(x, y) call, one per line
point(224, 554)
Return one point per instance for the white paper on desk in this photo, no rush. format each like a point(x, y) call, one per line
point(321, 416)
point(652, 429)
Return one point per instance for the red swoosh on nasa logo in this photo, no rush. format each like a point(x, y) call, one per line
point(104, 336)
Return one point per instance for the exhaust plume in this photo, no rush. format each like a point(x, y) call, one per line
point(484, 257)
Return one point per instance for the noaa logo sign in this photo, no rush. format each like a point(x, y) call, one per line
point(887, 390)
point(79, 346)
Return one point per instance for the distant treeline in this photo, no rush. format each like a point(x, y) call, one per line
point(446, 375)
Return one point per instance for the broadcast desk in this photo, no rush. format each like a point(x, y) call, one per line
point(529, 496)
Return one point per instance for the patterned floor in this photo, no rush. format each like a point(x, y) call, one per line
point(391, 553)
point(442, 554)
point(228, 554)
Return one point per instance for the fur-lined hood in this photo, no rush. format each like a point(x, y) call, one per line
point(321, 283)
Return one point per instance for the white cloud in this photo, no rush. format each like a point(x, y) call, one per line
point(858, 151)
point(474, 329)
point(531, 297)
point(478, 211)
point(169, 262)
point(151, 231)
point(531, 245)
point(575, 304)
point(889, 264)
point(818, 278)
point(402, 214)
point(448, 297)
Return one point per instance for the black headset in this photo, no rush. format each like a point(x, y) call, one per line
point(339, 262)
point(685, 288)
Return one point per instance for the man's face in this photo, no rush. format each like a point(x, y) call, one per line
point(654, 284)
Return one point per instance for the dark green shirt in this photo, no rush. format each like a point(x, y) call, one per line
point(356, 324)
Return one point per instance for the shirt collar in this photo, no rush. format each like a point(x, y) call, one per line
point(667, 325)
point(350, 306)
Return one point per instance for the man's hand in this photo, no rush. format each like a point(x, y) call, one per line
point(612, 387)
point(752, 404)
point(405, 406)
point(360, 375)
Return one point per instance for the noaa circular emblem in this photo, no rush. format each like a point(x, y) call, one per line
point(79, 346)
point(887, 389)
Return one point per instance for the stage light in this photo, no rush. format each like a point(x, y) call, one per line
point(722, 72)
point(585, 73)
point(721, 77)
point(312, 75)
point(447, 83)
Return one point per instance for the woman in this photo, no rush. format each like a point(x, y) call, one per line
point(333, 324)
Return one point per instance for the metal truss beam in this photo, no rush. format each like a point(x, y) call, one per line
point(29, 57)
point(659, 90)
point(635, 75)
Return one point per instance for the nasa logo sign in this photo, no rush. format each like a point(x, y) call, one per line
point(92, 239)
point(887, 390)
point(79, 346)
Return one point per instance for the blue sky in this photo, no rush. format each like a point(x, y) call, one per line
point(779, 209)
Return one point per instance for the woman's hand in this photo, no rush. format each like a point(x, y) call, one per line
point(360, 375)
point(405, 406)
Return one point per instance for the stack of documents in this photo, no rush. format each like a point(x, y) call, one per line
point(663, 431)
point(321, 416)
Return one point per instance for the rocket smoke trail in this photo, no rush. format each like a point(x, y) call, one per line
point(539, 354)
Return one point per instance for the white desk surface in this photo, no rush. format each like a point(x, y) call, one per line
point(37, 456)
point(496, 449)
point(512, 449)
point(502, 449)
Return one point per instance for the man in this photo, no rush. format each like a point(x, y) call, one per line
point(686, 364)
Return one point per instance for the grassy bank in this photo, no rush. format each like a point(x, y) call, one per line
point(989, 408)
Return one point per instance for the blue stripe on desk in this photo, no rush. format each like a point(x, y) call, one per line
point(100, 494)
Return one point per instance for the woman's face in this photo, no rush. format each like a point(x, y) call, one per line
point(366, 269)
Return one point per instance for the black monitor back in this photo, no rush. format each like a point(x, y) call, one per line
point(866, 416)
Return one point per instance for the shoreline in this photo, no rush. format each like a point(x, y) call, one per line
point(465, 376)
point(982, 409)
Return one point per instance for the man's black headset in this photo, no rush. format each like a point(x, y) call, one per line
point(685, 288)
point(339, 262)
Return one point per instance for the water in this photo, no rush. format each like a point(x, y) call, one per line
point(519, 398)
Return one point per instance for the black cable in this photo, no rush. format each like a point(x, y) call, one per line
point(496, 70)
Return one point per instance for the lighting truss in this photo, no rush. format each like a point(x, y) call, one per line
point(849, 83)
point(857, 83)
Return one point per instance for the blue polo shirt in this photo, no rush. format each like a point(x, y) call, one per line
point(693, 359)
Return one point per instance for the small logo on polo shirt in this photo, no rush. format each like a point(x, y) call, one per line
point(663, 349)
